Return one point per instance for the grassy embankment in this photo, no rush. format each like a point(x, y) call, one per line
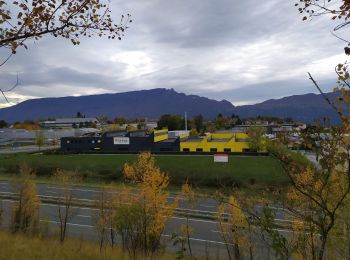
point(201, 170)
point(24, 247)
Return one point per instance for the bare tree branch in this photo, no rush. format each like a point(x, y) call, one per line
point(10, 89)
point(6, 59)
point(325, 96)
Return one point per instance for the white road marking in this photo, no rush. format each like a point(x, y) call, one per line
point(84, 216)
point(196, 220)
point(94, 191)
point(84, 190)
point(207, 206)
point(203, 240)
point(70, 224)
point(164, 235)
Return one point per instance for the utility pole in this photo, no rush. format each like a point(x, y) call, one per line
point(186, 121)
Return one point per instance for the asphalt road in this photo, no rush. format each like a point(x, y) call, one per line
point(205, 238)
point(90, 193)
point(202, 204)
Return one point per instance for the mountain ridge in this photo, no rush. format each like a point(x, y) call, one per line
point(156, 102)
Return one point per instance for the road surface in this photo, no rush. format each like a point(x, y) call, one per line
point(205, 237)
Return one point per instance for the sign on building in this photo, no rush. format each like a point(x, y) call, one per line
point(221, 158)
point(121, 140)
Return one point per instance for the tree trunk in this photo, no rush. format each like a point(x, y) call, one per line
point(102, 239)
point(112, 237)
point(237, 253)
point(188, 238)
point(323, 247)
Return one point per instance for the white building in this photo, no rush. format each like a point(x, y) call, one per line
point(70, 123)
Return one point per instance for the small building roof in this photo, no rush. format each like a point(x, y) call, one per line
point(192, 140)
point(219, 140)
point(75, 120)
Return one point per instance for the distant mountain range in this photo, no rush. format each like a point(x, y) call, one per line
point(305, 108)
point(156, 102)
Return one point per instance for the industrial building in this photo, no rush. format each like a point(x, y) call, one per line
point(217, 142)
point(157, 141)
point(122, 141)
point(70, 122)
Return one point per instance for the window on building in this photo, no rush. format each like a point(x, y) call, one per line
point(68, 142)
point(227, 150)
point(213, 149)
point(199, 150)
point(186, 149)
point(98, 141)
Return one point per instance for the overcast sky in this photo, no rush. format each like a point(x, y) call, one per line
point(242, 51)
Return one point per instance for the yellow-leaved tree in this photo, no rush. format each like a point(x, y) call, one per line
point(149, 207)
point(183, 235)
point(235, 229)
point(26, 211)
point(318, 193)
point(65, 180)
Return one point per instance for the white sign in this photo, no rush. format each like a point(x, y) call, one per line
point(121, 140)
point(221, 158)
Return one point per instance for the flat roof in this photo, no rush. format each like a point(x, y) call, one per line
point(168, 141)
point(193, 140)
point(219, 140)
point(73, 120)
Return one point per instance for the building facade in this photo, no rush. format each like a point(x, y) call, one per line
point(123, 142)
point(217, 142)
point(70, 123)
point(157, 141)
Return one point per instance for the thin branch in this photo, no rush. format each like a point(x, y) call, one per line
point(6, 59)
point(14, 86)
point(10, 89)
point(2, 92)
point(325, 97)
point(338, 37)
point(341, 25)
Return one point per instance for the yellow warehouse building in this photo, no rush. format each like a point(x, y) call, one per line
point(217, 142)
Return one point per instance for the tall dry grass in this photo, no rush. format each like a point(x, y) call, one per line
point(19, 246)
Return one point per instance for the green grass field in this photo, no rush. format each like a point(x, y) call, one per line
point(200, 170)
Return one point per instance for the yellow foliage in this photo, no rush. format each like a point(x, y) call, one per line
point(151, 194)
point(144, 165)
point(187, 192)
point(236, 230)
point(27, 126)
point(26, 210)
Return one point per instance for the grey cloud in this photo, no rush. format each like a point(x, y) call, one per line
point(260, 92)
point(243, 51)
point(207, 23)
point(61, 81)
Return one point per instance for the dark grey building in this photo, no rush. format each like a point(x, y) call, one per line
point(121, 142)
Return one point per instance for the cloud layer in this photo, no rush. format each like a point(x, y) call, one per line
point(242, 51)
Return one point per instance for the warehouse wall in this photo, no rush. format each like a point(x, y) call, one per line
point(160, 135)
point(235, 143)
